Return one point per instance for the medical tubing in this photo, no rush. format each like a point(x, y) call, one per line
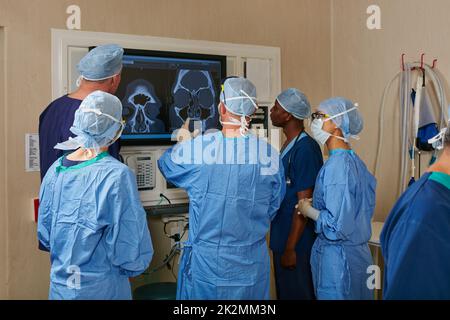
point(406, 114)
point(381, 123)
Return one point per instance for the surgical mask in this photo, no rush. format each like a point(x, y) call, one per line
point(318, 133)
point(321, 135)
point(438, 141)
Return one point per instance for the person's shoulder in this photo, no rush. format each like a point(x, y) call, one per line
point(308, 140)
point(209, 135)
point(428, 200)
point(116, 165)
point(51, 171)
point(308, 144)
point(112, 167)
point(413, 203)
point(62, 100)
point(363, 167)
point(336, 168)
point(57, 103)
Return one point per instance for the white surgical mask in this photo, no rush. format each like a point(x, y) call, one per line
point(438, 141)
point(321, 135)
point(318, 133)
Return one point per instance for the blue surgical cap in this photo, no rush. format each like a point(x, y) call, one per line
point(295, 102)
point(239, 96)
point(101, 63)
point(351, 123)
point(97, 123)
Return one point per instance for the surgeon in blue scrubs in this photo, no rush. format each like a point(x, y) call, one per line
point(291, 235)
point(415, 240)
point(90, 216)
point(342, 206)
point(235, 186)
point(99, 70)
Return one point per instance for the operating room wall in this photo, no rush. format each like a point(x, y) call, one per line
point(300, 28)
point(363, 61)
point(3, 213)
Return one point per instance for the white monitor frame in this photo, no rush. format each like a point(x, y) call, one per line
point(64, 40)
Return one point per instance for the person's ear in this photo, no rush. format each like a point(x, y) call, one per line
point(289, 117)
point(115, 81)
point(337, 131)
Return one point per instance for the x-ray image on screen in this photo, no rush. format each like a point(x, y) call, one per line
point(141, 108)
point(159, 91)
point(194, 98)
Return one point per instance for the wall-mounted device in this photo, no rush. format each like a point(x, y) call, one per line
point(144, 166)
point(159, 90)
point(154, 190)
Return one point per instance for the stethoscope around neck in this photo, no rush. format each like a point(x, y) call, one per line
point(288, 173)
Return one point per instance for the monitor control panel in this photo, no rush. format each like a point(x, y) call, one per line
point(144, 167)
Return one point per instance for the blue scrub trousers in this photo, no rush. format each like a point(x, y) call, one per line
point(294, 284)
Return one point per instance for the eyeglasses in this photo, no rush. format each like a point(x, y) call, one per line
point(319, 115)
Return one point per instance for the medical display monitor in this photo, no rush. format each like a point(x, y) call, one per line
point(160, 90)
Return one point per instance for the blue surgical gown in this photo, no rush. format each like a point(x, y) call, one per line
point(54, 124)
point(232, 202)
point(345, 197)
point(92, 222)
point(306, 160)
point(415, 242)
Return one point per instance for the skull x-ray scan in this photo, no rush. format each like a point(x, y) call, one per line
point(141, 107)
point(194, 97)
point(160, 91)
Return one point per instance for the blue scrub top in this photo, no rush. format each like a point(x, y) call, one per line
point(232, 199)
point(306, 161)
point(54, 127)
point(91, 219)
point(415, 241)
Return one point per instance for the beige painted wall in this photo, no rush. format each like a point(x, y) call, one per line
point(3, 212)
point(364, 61)
point(301, 28)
